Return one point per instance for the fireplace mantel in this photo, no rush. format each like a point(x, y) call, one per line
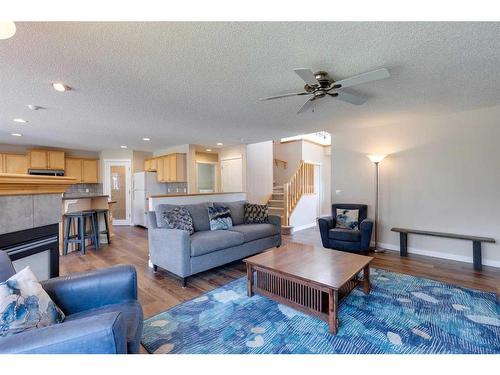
point(25, 184)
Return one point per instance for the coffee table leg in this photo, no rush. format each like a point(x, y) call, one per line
point(366, 279)
point(333, 301)
point(249, 280)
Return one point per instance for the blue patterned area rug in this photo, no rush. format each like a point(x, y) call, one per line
point(402, 314)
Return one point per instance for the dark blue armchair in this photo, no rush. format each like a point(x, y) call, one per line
point(101, 308)
point(354, 241)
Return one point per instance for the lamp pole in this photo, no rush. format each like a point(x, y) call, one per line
point(376, 159)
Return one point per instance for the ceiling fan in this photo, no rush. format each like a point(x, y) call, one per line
point(318, 85)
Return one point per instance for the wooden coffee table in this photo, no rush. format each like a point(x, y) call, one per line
point(309, 279)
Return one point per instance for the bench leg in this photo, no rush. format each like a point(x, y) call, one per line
point(403, 244)
point(477, 256)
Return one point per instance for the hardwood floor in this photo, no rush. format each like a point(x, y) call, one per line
point(161, 291)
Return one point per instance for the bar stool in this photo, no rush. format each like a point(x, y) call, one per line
point(79, 238)
point(105, 213)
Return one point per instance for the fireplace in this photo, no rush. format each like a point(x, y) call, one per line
point(35, 247)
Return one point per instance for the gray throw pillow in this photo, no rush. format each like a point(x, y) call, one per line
point(347, 219)
point(256, 213)
point(179, 218)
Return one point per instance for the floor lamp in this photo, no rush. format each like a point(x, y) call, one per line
point(376, 159)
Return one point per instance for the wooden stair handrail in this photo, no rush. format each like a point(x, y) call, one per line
point(301, 183)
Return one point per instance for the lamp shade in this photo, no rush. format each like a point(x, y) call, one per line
point(7, 29)
point(376, 158)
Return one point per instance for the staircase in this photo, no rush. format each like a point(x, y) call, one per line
point(284, 198)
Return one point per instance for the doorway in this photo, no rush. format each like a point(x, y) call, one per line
point(232, 175)
point(206, 177)
point(117, 184)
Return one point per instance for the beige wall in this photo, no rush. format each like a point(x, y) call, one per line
point(138, 158)
point(291, 152)
point(259, 171)
point(443, 174)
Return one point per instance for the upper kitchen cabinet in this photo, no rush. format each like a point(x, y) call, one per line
point(151, 165)
point(46, 159)
point(171, 168)
point(13, 163)
point(83, 170)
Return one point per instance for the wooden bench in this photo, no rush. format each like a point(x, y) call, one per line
point(476, 242)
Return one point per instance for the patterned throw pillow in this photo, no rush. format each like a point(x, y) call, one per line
point(220, 218)
point(25, 305)
point(347, 219)
point(256, 213)
point(179, 218)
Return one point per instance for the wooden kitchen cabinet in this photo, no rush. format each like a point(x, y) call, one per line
point(73, 168)
point(171, 168)
point(15, 163)
point(151, 165)
point(89, 171)
point(83, 170)
point(46, 159)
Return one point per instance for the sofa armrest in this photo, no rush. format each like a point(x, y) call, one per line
point(366, 228)
point(100, 334)
point(275, 220)
point(88, 290)
point(325, 224)
point(170, 249)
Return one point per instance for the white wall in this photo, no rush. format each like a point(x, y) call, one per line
point(235, 152)
point(320, 155)
point(259, 171)
point(291, 152)
point(443, 174)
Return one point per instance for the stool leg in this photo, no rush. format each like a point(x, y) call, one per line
point(67, 234)
point(107, 229)
point(81, 233)
point(95, 231)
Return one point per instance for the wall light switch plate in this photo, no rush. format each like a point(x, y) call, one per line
point(86, 190)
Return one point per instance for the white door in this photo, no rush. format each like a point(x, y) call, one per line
point(232, 175)
point(117, 184)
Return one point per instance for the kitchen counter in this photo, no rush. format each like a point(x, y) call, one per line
point(90, 196)
point(191, 194)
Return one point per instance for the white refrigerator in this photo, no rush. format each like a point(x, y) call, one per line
point(145, 184)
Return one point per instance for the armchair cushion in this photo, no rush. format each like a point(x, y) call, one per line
point(209, 241)
point(25, 305)
point(347, 219)
point(340, 234)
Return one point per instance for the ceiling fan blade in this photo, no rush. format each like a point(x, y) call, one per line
point(307, 75)
point(307, 105)
point(284, 95)
point(349, 98)
point(374, 75)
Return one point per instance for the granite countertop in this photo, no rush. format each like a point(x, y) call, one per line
point(85, 196)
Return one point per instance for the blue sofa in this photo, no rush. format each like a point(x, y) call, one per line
point(184, 255)
point(354, 241)
point(102, 314)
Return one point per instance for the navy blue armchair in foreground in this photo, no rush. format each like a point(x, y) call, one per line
point(101, 308)
point(351, 240)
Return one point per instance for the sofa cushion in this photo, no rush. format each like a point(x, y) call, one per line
point(131, 311)
point(351, 235)
point(256, 213)
point(209, 241)
point(220, 218)
point(237, 210)
point(252, 232)
point(179, 218)
point(198, 212)
point(25, 305)
point(346, 219)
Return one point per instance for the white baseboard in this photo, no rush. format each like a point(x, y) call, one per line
point(305, 226)
point(436, 254)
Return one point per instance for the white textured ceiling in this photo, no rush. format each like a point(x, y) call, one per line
point(199, 82)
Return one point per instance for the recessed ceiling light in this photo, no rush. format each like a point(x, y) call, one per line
point(21, 120)
point(123, 146)
point(34, 107)
point(16, 135)
point(61, 87)
point(209, 149)
point(220, 144)
point(7, 29)
point(146, 139)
